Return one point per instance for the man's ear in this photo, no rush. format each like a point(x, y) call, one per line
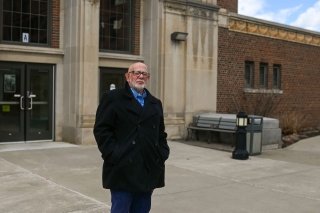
point(127, 76)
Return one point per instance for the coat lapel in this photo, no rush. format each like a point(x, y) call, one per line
point(149, 108)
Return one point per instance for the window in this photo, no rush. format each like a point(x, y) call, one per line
point(116, 19)
point(24, 21)
point(263, 75)
point(248, 74)
point(276, 82)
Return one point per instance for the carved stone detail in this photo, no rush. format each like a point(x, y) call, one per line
point(93, 1)
point(190, 10)
point(200, 12)
point(273, 31)
point(175, 7)
point(252, 28)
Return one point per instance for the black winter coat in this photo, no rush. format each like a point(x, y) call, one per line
point(132, 141)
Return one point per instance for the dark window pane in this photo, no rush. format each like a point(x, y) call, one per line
point(261, 78)
point(249, 74)
point(7, 18)
point(263, 75)
point(7, 5)
point(16, 34)
point(26, 6)
point(34, 21)
point(35, 6)
point(126, 44)
point(43, 22)
point(26, 20)
point(17, 5)
point(43, 36)
point(7, 33)
point(276, 77)
point(25, 30)
point(16, 19)
point(120, 44)
point(43, 8)
point(34, 37)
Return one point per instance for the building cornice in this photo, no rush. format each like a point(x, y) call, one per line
point(263, 28)
point(191, 8)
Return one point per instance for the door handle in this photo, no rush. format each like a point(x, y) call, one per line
point(31, 96)
point(21, 102)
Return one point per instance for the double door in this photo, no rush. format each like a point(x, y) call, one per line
point(26, 102)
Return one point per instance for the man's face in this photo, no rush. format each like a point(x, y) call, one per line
point(138, 76)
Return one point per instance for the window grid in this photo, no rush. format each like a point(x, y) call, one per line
point(116, 25)
point(249, 74)
point(25, 16)
point(276, 83)
point(263, 75)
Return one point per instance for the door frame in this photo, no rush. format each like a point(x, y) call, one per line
point(52, 80)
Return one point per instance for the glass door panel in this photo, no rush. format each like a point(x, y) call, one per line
point(12, 102)
point(39, 97)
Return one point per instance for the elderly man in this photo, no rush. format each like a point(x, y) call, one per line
point(131, 137)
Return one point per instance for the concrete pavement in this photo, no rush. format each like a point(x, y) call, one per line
point(61, 177)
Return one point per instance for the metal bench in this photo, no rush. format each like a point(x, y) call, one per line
point(210, 125)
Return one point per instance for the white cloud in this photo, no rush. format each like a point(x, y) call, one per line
point(284, 14)
point(307, 19)
point(310, 19)
point(251, 7)
point(256, 8)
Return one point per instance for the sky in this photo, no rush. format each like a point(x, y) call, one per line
point(298, 13)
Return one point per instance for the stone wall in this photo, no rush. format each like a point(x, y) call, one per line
point(187, 69)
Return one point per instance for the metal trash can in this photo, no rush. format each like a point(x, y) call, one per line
point(254, 134)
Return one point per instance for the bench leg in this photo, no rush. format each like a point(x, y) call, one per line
point(191, 133)
point(196, 134)
point(188, 134)
point(209, 137)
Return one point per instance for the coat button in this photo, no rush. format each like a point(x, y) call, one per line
point(133, 142)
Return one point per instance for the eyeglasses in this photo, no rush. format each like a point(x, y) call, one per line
point(138, 73)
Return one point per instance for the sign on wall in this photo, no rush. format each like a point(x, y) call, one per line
point(25, 37)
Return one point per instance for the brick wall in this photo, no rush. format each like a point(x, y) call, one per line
point(136, 28)
point(231, 5)
point(55, 33)
point(300, 74)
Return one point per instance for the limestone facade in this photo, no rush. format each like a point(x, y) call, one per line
point(184, 74)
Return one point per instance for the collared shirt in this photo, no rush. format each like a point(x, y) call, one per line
point(139, 97)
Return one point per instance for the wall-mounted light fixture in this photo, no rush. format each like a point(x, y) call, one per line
point(179, 36)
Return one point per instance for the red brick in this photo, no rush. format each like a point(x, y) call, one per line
point(231, 5)
point(299, 73)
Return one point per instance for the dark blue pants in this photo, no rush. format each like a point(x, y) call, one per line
point(129, 202)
